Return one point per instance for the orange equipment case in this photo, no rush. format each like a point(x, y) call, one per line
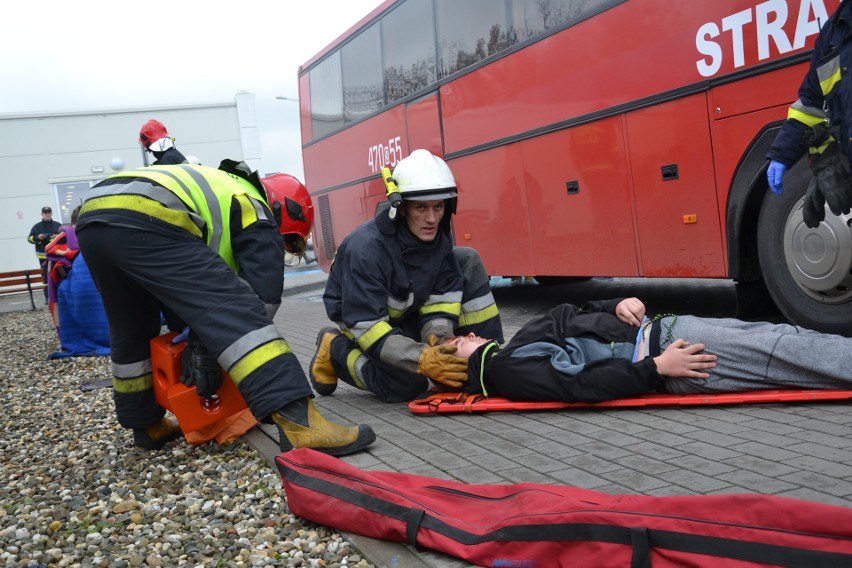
point(181, 400)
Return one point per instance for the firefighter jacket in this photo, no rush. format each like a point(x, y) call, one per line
point(388, 290)
point(225, 210)
point(823, 95)
point(48, 228)
point(574, 355)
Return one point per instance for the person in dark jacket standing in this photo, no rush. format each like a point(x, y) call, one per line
point(155, 139)
point(40, 234)
point(397, 286)
point(820, 122)
point(206, 244)
point(610, 349)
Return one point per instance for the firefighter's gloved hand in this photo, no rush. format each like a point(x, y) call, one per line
point(202, 369)
point(181, 336)
point(439, 364)
point(813, 208)
point(774, 174)
point(831, 184)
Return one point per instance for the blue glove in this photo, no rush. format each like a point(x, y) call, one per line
point(181, 336)
point(774, 174)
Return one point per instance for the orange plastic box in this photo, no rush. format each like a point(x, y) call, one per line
point(181, 400)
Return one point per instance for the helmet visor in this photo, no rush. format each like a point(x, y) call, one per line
point(431, 195)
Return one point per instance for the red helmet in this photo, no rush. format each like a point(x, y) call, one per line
point(152, 131)
point(293, 209)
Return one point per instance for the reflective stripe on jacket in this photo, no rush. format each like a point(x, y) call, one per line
point(194, 198)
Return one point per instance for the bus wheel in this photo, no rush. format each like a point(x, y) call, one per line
point(808, 271)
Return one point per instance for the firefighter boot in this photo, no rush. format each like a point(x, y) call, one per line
point(300, 425)
point(323, 375)
point(156, 436)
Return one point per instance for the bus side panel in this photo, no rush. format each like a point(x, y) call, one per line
point(676, 206)
point(357, 152)
point(735, 122)
point(492, 209)
point(337, 214)
point(424, 125)
point(776, 88)
point(580, 208)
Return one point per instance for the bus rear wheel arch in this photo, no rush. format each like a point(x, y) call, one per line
point(808, 272)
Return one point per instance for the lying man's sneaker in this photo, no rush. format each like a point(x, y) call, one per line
point(322, 373)
point(300, 425)
point(156, 436)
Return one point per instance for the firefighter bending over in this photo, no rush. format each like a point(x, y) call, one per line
point(205, 244)
point(397, 287)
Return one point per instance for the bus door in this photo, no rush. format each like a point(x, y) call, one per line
point(677, 208)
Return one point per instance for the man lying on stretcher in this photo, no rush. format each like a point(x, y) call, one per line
point(609, 350)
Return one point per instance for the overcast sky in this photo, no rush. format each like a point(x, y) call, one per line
point(61, 56)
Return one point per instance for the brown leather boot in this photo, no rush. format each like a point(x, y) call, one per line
point(156, 436)
point(322, 373)
point(300, 425)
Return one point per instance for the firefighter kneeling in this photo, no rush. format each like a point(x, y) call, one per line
point(204, 247)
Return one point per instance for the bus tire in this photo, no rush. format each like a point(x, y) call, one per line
point(807, 271)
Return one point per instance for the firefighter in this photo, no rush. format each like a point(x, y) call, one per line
point(397, 286)
point(820, 122)
point(204, 243)
point(155, 139)
point(40, 235)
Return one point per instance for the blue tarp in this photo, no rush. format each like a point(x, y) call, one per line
point(83, 328)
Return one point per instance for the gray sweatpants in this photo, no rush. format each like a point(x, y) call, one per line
point(759, 355)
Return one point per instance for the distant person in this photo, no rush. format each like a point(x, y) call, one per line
point(40, 235)
point(75, 303)
point(60, 253)
point(155, 139)
point(397, 286)
point(609, 350)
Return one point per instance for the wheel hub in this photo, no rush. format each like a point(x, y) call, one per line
point(820, 259)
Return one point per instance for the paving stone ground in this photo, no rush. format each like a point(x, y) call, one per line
point(801, 450)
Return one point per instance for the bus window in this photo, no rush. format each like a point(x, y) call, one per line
point(532, 17)
point(326, 96)
point(408, 49)
point(469, 32)
point(363, 91)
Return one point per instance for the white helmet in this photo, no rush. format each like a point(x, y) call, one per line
point(423, 176)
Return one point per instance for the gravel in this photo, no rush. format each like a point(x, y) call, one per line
point(75, 492)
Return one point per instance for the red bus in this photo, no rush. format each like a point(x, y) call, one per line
point(587, 137)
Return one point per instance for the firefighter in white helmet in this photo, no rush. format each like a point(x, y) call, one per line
point(397, 287)
point(209, 245)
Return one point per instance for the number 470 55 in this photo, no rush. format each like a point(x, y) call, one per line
point(380, 155)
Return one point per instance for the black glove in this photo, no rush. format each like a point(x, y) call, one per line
point(813, 208)
point(200, 368)
point(831, 184)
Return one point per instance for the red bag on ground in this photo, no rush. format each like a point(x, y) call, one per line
point(534, 525)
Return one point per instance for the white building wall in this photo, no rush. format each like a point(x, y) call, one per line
point(78, 149)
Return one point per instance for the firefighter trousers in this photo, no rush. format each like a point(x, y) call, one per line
point(137, 272)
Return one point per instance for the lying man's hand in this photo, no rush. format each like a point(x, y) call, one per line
point(631, 310)
point(439, 364)
point(680, 359)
